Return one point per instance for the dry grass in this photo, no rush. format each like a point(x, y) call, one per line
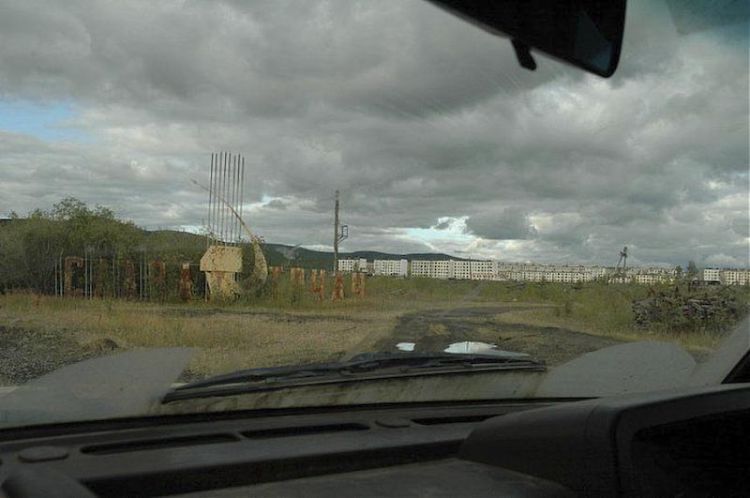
point(695, 342)
point(227, 339)
point(291, 327)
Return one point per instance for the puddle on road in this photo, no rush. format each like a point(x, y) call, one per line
point(405, 346)
point(465, 347)
point(479, 347)
point(469, 347)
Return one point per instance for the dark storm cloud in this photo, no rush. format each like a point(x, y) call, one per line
point(415, 115)
point(509, 223)
point(276, 204)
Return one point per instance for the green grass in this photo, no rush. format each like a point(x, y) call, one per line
point(284, 324)
point(227, 338)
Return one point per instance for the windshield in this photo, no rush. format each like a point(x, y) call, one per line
point(297, 183)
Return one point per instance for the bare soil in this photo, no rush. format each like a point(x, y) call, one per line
point(435, 330)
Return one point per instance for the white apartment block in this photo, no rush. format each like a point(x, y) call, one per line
point(347, 265)
point(442, 269)
point(730, 276)
point(390, 267)
point(421, 268)
point(483, 270)
point(648, 278)
point(735, 277)
point(351, 265)
point(530, 272)
point(461, 270)
point(712, 275)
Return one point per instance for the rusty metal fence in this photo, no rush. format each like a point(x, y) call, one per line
point(136, 276)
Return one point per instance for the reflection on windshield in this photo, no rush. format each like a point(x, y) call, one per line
point(308, 184)
point(480, 347)
point(405, 346)
point(469, 347)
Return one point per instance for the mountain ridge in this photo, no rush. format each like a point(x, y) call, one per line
point(284, 254)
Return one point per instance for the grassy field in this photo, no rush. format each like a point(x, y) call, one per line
point(284, 325)
point(227, 338)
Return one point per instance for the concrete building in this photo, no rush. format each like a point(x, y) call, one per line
point(712, 275)
point(347, 265)
point(483, 270)
point(735, 277)
point(648, 278)
point(390, 267)
point(461, 270)
point(421, 268)
point(351, 265)
point(531, 272)
point(442, 269)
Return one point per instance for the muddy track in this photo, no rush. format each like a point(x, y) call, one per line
point(281, 316)
point(435, 330)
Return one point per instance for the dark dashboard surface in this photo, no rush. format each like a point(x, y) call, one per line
point(441, 479)
point(636, 445)
point(139, 458)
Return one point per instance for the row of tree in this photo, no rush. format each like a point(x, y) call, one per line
point(32, 247)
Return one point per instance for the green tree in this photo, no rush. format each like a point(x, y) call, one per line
point(30, 247)
point(692, 270)
point(69, 208)
point(12, 262)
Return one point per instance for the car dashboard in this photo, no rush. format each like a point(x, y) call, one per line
point(688, 442)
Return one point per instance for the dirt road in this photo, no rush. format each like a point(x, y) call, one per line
point(26, 354)
point(436, 330)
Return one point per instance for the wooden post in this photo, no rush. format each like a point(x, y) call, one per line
point(338, 287)
point(358, 284)
point(186, 283)
point(129, 281)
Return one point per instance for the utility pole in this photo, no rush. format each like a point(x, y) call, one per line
point(339, 233)
point(336, 235)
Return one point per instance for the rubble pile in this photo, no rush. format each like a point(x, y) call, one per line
point(691, 310)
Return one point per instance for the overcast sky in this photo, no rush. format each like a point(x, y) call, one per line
point(435, 136)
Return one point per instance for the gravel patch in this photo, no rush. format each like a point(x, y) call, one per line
point(27, 354)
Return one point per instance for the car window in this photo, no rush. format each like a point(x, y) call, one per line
point(291, 183)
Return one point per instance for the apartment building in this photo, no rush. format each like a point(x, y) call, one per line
point(347, 265)
point(531, 272)
point(461, 270)
point(442, 269)
point(735, 277)
point(483, 270)
point(390, 267)
point(648, 278)
point(421, 268)
point(351, 265)
point(712, 275)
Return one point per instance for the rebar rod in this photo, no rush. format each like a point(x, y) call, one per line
point(242, 191)
point(210, 194)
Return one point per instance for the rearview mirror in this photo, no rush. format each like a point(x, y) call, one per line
point(584, 33)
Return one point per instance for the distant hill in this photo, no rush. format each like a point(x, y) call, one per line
point(278, 254)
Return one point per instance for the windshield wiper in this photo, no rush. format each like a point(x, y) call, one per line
point(367, 366)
